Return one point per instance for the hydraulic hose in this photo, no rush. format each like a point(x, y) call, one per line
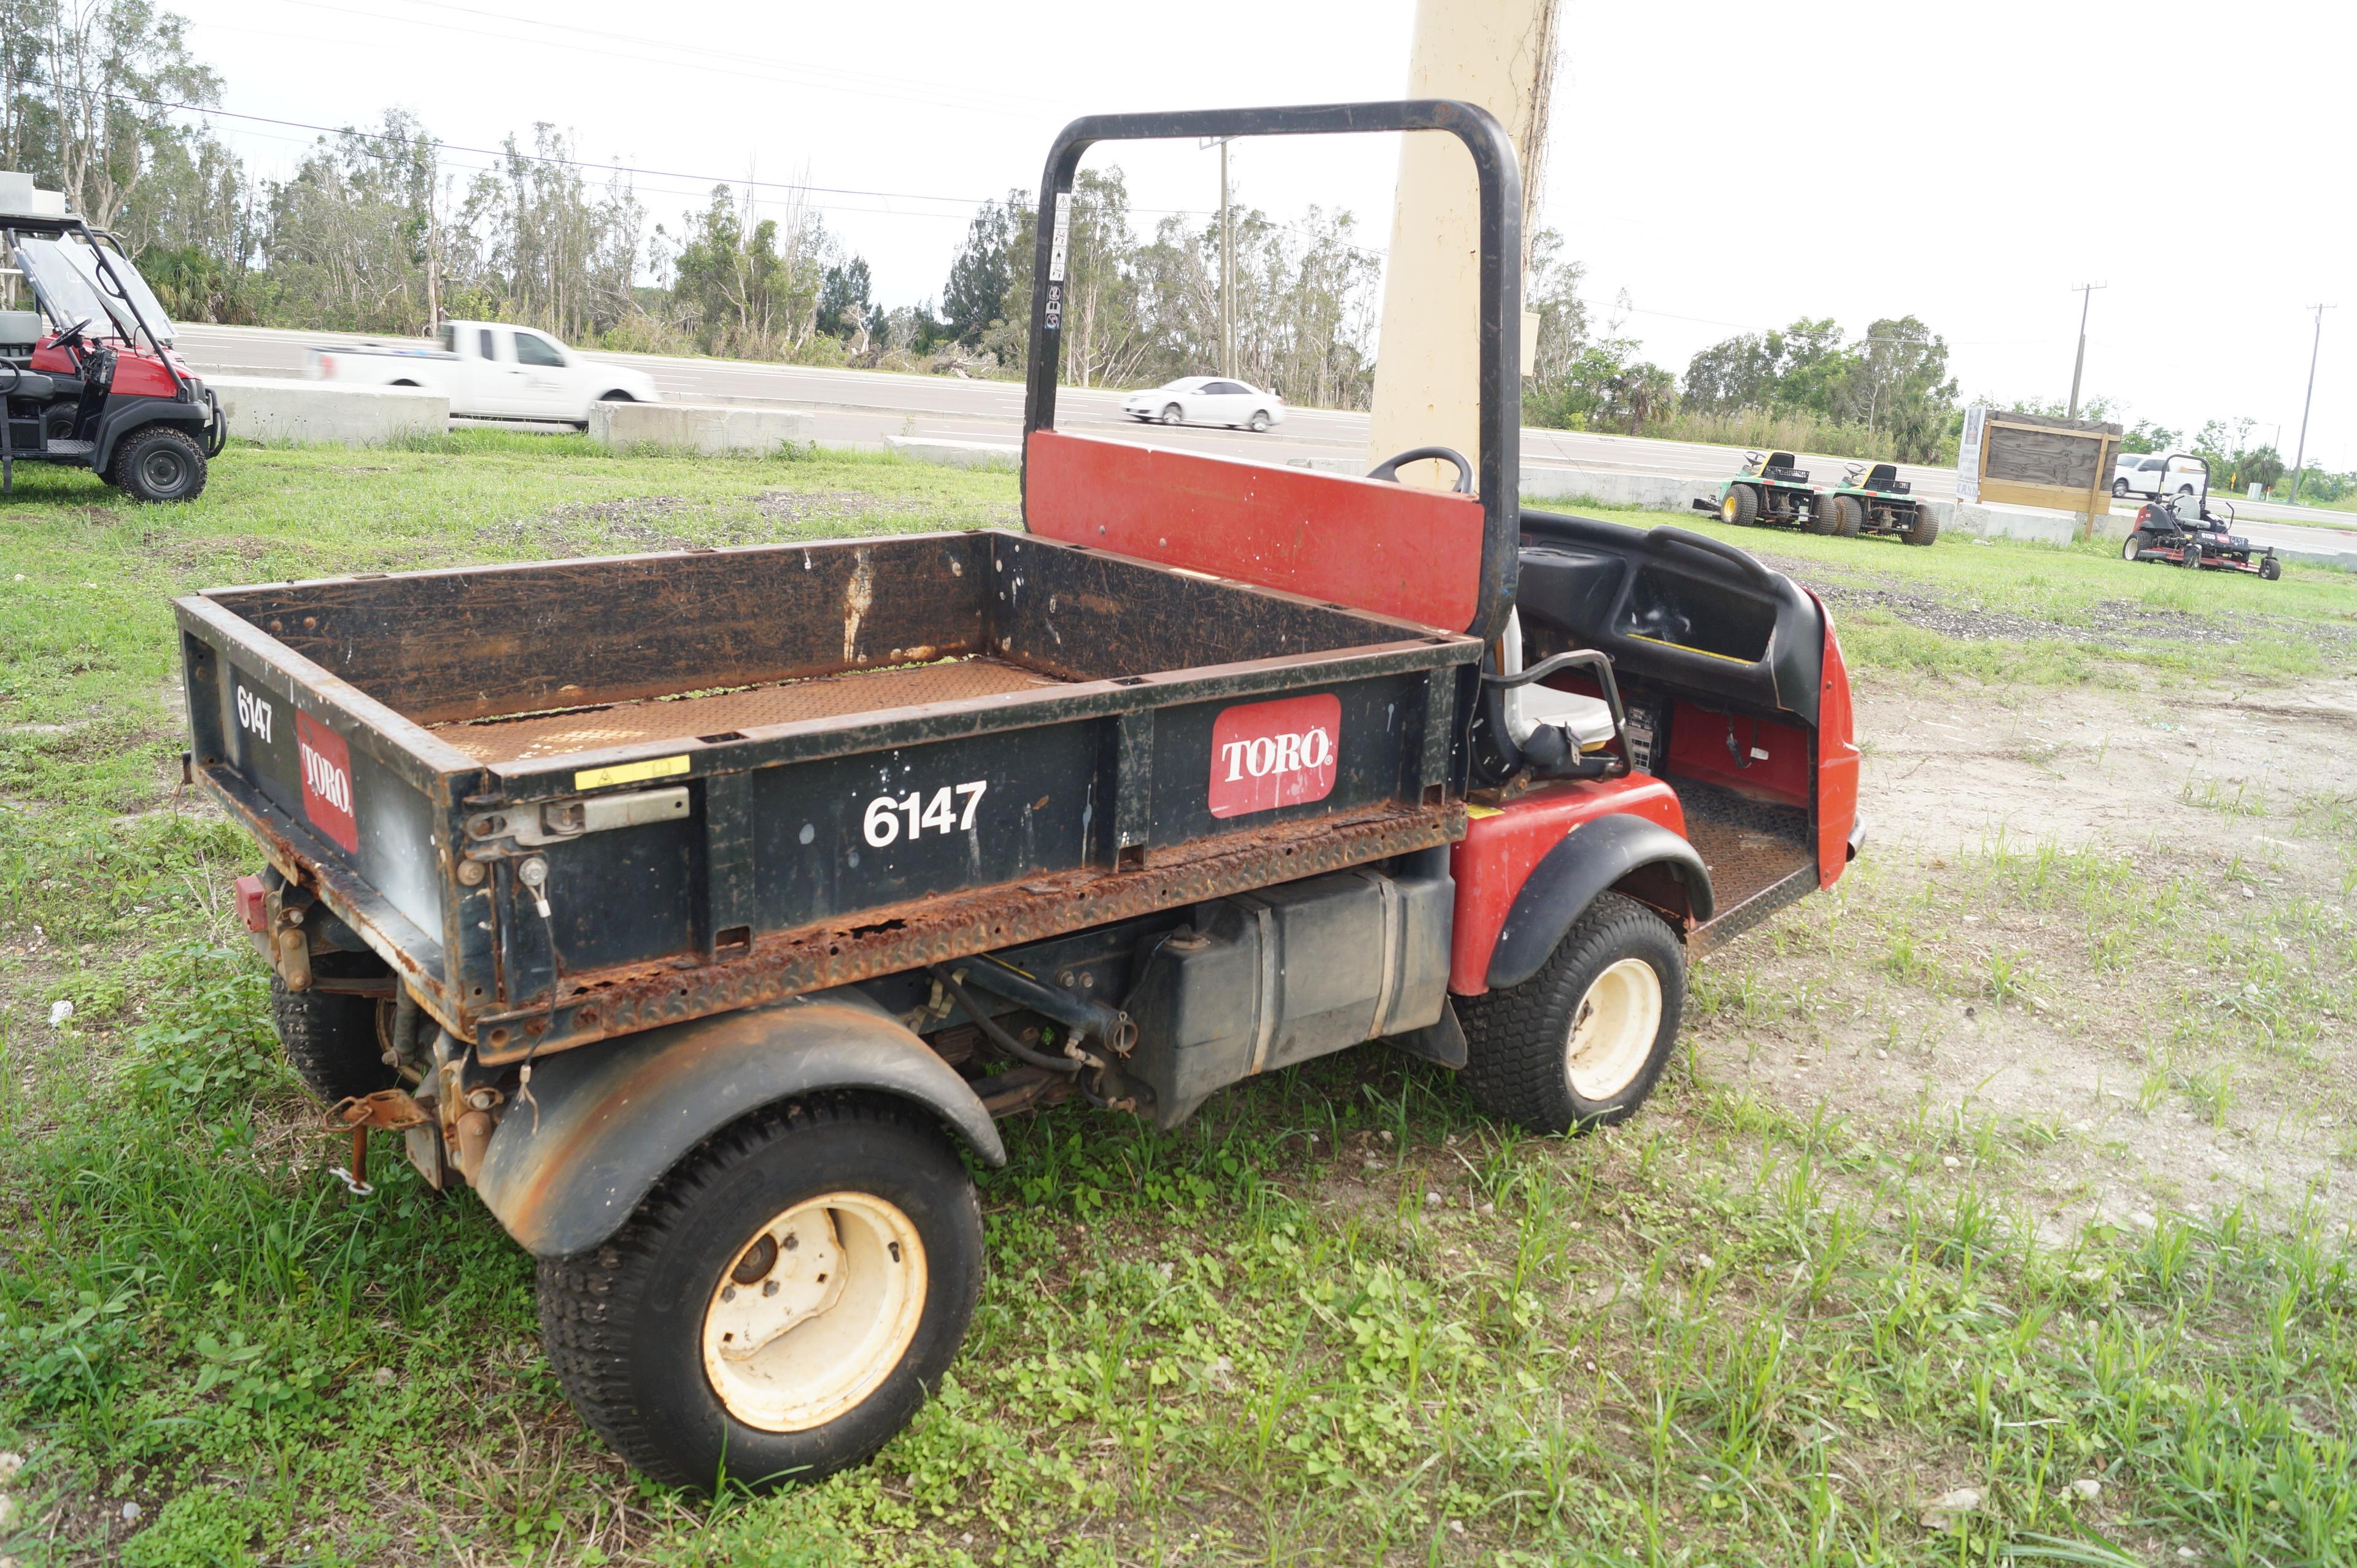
point(996, 1032)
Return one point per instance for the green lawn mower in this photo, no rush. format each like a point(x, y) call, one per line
point(1875, 499)
point(1769, 490)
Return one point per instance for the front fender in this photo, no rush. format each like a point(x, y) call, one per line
point(1591, 858)
point(124, 414)
point(614, 1116)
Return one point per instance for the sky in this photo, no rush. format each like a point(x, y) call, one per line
point(1727, 168)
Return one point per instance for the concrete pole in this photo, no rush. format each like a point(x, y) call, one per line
point(2299, 463)
point(1227, 273)
point(2086, 297)
point(1501, 55)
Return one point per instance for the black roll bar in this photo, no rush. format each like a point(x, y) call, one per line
point(1500, 324)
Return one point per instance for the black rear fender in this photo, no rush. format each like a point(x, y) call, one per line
point(1612, 854)
point(612, 1117)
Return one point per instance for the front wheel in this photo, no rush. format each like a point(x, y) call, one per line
point(158, 463)
point(2270, 569)
point(1172, 415)
point(1924, 530)
point(1740, 505)
point(1260, 422)
point(2193, 557)
point(781, 1305)
point(2132, 545)
point(1581, 1043)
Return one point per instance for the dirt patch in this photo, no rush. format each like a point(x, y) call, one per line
point(2205, 1061)
point(817, 506)
point(1948, 620)
point(250, 552)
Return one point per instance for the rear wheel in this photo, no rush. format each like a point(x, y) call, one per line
point(158, 463)
point(1826, 513)
point(1172, 413)
point(1581, 1043)
point(1740, 505)
point(1260, 422)
point(781, 1305)
point(335, 1043)
point(2119, 489)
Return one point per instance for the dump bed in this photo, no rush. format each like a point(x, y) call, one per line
point(741, 774)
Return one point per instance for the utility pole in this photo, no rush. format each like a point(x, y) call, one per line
point(1502, 55)
point(1227, 264)
point(2301, 461)
point(2086, 297)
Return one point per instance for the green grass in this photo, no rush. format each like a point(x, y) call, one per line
point(1339, 1318)
point(2049, 615)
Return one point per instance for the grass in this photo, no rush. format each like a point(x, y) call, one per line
point(1339, 1318)
point(2013, 612)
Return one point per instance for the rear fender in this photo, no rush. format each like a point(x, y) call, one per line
point(1660, 869)
point(614, 1116)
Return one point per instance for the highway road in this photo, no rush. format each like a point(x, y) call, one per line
point(868, 405)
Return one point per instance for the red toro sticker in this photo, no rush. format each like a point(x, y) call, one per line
point(327, 782)
point(1267, 755)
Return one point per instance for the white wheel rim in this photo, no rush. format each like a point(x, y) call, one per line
point(814, 1311)
point(1612, 1031)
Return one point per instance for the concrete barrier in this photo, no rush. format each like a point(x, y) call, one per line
point(318, 414)
point(702, 427)
point(1003, 456)
point(1608, 487)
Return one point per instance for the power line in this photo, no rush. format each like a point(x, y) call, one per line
point(539, 158)
point(798, 75)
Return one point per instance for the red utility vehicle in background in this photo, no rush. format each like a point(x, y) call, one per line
point(696, 908)
point(89, 377)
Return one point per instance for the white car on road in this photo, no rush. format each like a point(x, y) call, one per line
point(2148, 473)
point(488, 369)
point(1208, 400)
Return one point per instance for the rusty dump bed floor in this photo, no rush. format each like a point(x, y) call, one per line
point(537, 735)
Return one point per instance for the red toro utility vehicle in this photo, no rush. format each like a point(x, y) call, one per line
point(88, 378)
point(697, 908)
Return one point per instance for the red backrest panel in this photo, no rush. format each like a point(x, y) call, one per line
point(1392, 549)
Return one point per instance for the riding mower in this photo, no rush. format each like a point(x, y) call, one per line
point(1769, 489)
point(1876, 500)
point(2182, 531)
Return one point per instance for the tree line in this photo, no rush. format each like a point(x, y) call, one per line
point(376, 229)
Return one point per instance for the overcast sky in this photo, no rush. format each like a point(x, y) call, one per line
point(1729, 166)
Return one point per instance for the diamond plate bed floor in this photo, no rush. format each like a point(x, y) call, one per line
point(536, 736)
point(1749, 845)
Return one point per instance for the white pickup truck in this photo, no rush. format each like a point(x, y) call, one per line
point(488, 370)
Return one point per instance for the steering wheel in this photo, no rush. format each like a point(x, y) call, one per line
point(1390, 468)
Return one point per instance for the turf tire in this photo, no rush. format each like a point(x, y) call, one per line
point(2269, 569)
point(158, 464)
point(2138, 541)
point(1517, 1040)
point(1739, 505)
point(623, 1322)
point(331, 1040)
point(1923, 531)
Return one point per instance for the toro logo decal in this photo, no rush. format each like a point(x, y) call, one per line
point(327, 782)
point(1266, 755)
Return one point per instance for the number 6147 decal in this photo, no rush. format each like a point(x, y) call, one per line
point(881, 821)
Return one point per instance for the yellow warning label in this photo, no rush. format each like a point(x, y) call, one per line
point(1475, 813)
point(629, 772)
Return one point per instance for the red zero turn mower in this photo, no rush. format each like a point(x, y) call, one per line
point(2182, 531)
point(89, 377)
